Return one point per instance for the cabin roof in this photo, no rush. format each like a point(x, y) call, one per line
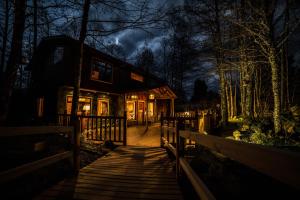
point(153, 81)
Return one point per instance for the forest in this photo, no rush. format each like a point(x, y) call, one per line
point(244, 50)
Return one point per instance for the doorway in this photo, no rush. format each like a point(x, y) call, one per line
point(141, 112)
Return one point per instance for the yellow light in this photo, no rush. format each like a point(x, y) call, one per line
point(134, 97)
point(151, 96)
point(86, 107)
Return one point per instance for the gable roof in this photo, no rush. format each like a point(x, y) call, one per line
point(152, 81)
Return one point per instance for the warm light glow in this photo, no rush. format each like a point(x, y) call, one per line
point(134, 96)
point(131, 110)
point(86, 107)
point(136, 77)
point(151, 96)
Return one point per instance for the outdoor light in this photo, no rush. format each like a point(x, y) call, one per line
point(86, 107)
point(134, 97)
point(151, 96)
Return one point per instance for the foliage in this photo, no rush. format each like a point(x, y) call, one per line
point(261, 132)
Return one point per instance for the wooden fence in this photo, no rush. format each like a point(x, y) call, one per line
point(205, 120)
point(71, 154)
point(99, 128)
point(278, 164)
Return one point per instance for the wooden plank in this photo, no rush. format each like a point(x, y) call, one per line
point(128, 183)
point(128, 179)
point(281, 165)
point(117, 194)
point(30, 167)
point(34, 130)
point(123, 174)
point(122, 187)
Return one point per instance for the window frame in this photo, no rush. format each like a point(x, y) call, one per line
point(94, 60)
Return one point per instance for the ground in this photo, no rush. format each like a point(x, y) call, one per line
point(138, 136)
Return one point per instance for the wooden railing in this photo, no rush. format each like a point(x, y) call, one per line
point(278, 164)
point(8, 132)
point(99, 128)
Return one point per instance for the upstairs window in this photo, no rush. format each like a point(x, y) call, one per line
point(101, 71)
point(57, 55)
point(136, 77)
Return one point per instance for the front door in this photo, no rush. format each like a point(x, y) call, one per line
point(141, 111)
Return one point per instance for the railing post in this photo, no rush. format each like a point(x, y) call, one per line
point(161, 130)
point(125, 129)
point(76, 146)
point(197, 121)
point(177, 152)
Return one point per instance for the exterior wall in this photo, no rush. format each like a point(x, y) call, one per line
point(116, 102)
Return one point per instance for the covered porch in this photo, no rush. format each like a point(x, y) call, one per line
point(144, 107)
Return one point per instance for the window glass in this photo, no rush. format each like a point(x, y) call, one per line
point(150, 109)
point(40, 107)
point(58, 54)
point(101, 71)
point(84, 105)
point(136, 77)
point(131, 110)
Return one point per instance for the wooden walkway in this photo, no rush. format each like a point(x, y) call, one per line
point(129, 172)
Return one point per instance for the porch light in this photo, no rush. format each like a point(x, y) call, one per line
point(151, 96)
point(86, 107)
point(134, 96)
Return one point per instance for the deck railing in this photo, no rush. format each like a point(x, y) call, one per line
point(99, 128)
point(17, 132)
point(278, 164)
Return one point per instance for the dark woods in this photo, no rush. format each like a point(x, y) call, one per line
point(244, 50)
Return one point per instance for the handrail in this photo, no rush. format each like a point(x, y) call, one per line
point(32, 166)
point(34, 130)
point(276, 163)
point(267, 160)
point(198, 185)
point(18, 171)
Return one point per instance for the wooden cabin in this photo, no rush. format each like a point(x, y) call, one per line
point(109, 86)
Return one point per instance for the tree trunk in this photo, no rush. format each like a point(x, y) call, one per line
point(248, 103)
point(242, 91)
point(276, 90)
point(13, 60)
point(220, 58)
point(4, 38)
point(34, 25)
point(223, 98)
point(235, 100)
point(82, 37)
point(231, 97)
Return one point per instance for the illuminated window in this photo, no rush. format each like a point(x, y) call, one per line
point(40, 107)
point(101, 71)
point(136, 77)
point(150, 109)
point(131, 110)
point(84, 105)
point(103, 107)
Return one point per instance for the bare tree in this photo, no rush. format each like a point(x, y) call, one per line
point(14, 58)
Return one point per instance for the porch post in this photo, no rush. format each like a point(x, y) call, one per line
point(146, 107)
point(172, 108)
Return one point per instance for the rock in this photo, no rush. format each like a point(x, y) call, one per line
point(237, 134)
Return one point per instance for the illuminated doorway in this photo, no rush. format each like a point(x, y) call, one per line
point(103, 107)
point(141, 112)
point(131, 115)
